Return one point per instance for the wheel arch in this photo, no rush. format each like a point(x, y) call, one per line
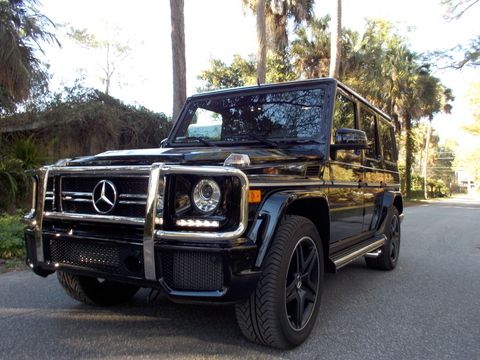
point(312, 205)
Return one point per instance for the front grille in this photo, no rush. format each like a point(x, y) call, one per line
point(197, 271)
point(90, 255)
point(77, 195)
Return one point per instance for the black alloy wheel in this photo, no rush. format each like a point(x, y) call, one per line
point(303, 279)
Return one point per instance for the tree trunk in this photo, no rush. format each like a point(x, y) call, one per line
point(336, 41)
point(261, 42)
point(408, 157)
point(178, 57)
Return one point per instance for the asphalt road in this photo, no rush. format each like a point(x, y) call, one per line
point(427, 308)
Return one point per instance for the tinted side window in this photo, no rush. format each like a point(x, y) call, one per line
point(388, 140)
point(367, 124)
point(344, 115)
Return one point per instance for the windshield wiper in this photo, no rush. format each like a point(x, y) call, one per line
point(197, 139)
point(252, 136)
point(303, 141)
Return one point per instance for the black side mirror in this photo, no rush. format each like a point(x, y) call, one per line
point(348, 139)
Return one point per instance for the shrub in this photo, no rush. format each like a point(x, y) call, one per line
point(11, 237)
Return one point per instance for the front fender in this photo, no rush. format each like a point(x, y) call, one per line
point(271, 213)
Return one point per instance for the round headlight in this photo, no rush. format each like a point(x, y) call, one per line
point(206, 195)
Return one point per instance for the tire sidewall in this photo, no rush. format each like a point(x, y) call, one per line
point(296, 337)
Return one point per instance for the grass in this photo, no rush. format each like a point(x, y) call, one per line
point(12, 246)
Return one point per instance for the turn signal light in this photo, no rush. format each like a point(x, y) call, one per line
point(254, 196)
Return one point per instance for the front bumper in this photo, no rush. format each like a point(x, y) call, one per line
point(190, 266)
point(186, 273)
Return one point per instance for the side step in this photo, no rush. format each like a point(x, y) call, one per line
point(369, 248)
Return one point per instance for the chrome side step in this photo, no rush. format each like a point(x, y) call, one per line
point(371, 249)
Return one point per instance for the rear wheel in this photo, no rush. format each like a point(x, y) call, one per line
point(388, 258)
point(95, 291)
point(283, 309)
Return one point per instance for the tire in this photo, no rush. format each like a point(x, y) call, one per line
point(93, 291)
point(282, 310)
point(388, 258)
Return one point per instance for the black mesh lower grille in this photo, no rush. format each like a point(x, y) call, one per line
point(97, 256)
point(91, 255)
point(197, 271)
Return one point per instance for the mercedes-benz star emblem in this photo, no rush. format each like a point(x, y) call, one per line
point(104, 197)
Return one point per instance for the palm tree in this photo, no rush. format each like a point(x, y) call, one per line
point(272, 18)
point(178, 56)
point(309, 51)
point(22, 30)
point(336, 41)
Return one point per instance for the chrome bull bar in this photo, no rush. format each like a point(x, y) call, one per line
point(156, 173)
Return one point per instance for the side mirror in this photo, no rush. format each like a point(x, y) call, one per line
point(348, 139)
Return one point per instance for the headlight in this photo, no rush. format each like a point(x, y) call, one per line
point(206, 196)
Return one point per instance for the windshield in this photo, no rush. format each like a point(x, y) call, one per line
point(276, 116)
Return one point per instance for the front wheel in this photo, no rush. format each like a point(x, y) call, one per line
point(282, 310)
point(94, 291)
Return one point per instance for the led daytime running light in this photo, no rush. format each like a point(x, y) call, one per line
point(198, 223)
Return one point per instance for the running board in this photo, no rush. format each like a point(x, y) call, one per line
point(369, 247)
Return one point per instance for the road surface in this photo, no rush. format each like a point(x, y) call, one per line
point(427, 308)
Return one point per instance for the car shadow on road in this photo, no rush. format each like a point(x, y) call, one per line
point(181, 329)
point(163, 329)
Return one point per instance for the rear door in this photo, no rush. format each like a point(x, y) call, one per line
point(373, 175)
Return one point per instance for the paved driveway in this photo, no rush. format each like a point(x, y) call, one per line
point(428, 308)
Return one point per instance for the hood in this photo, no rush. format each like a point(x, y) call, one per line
point(198, 156)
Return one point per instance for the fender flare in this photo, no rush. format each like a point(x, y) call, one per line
point(387, 201)
point(270, 215)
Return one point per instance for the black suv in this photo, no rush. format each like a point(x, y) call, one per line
point(256, 193)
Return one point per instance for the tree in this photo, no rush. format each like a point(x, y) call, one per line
point(22, 31)
point(261, 41)
point(272, 25)
point(455, 9)
point(178, 57)
point(242, 72)
point(309, 50)
point(114, 52)
point(336, 41)
point(474, 97)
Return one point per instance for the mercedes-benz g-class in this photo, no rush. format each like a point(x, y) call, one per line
point(256, 192)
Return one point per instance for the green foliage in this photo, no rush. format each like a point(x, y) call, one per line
point(242, 72)
point(77, 121)
point(28, 152)
point(12, 177)
point(474, 97)
point(277, 14)
point(11, 237)
point(22, 30)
